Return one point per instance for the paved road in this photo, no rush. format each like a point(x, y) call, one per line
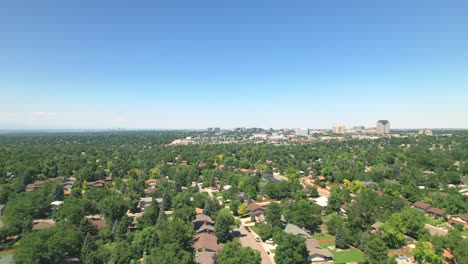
point(8, 259)
point(248, 240)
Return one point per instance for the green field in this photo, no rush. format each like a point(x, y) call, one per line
point(464, 233)
point(349, 255)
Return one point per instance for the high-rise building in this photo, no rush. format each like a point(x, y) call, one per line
point(339, 129)
point(383, 127)
point(358, 128)
point(426, 132)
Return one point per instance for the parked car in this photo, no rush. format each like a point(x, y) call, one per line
point(269, 241)
point(257, 239)
point(248, 229)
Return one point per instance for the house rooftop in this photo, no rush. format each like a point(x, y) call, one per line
point(314, 249)
point(376, 225)
point(422, 205)
point(295, 230)
point(205, 257)
point(206, 241)
point(435, 210)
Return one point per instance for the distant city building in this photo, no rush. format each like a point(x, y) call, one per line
point(239, 129)
point(339, 129)
point(302, 132)
point(426, 132)
point(358, 128)
point(210, 129)
point(383, 127)
point(217, 129)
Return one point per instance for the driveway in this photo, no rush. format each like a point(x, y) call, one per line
point(248, 240)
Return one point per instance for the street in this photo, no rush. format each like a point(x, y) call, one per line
point(248, 240)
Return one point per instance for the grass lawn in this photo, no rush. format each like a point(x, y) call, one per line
point(464, 233)
point(433, 221)
point(255, 229)
point(349, 255)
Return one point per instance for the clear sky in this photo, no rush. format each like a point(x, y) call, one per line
point(195, 64)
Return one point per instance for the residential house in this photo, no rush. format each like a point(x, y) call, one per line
point(206, 242)
point(421, 206)
point(464, 182)
point(242, 197)
point(205, 228)
point(316, 253)
point(375, 227)
point(152, 182)
point(206, 257)
point(434, 211)
point(435, 231)
point(34, 186)
point(369, 184)
point(39, 224)
point(269, 178)
point(202, 220)
point(144, 202)
point(295, 230)
point(257, 211)
point(96, 184)
point(461, 219)
point(321, 178)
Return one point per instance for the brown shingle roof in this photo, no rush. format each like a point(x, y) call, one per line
point(202, 218)
point(421, 205)
point(206, 241)
point(435, 210)
point(255, 207)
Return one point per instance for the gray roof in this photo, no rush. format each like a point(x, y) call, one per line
point(295, 230)
point(313, 247)
point(464, 181)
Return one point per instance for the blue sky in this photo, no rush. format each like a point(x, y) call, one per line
point(194, 64)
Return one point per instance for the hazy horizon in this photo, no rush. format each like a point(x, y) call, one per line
point(179, 65)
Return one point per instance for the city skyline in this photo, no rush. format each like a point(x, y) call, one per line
point(156, 65)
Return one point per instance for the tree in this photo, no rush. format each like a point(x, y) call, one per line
point(234, 206)
point(460, 253)
point(150, 217)
point(423, 253)
point(185, 213)
point(166, 202)
point(88, 247)
point(376, 251)
point(392, 232)
point(171, 254)
point(113, 207)
point(291, 249)
point(304, 213)
point(58, 193)
point(224, 225)
point(71, 210)
point(334, 223)
point(50, 245)
point(87, 227)
point(206, 209)
point(341, 240)
point(335, 200)
point(233, 253)
point(176, 232)
point(273, 214)
point(162, 216)
point(243, 209)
